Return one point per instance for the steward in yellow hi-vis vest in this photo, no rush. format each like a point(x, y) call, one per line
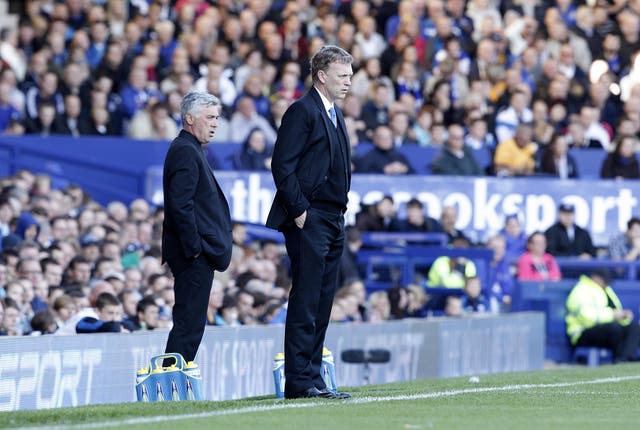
point(450, 272)
point(595, 317)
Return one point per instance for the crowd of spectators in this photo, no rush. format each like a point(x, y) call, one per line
point(523, 79)
point(69, 265)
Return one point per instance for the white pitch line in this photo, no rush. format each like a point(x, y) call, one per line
point(355, 400)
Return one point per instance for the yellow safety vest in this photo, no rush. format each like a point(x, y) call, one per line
point(587, 306)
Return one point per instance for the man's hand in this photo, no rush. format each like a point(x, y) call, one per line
point(301, 219)
point(395, 168)
point(622, 314)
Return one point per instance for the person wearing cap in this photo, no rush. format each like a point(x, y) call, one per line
point(595, 317)
point(567, 239)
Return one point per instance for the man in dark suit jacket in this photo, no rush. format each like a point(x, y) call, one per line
point(566, 239)
point(384, 157)
point(196, 237)
point(310, 167)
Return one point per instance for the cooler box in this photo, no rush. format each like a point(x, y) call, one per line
point(179, 381)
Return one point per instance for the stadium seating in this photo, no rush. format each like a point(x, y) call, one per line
point(573, 267)
point(389, 264)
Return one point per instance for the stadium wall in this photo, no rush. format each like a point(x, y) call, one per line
point(61, 371)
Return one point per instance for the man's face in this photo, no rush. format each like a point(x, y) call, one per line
point(337, 80)
point(448, 218)
point(10, 320)
point(473, 287)
point(150, 316)
point(415, 215)
point(130, 301)
point(59, 229)
point(203, 123)
point(110, 313)
point(634, 233)
point(383, 138)
point(82, 273)
point(456, 138)
point(31, 270)
point(245, 304)
point(523, 136)
point(6, 213)
point(566, 218)
point(53, 274)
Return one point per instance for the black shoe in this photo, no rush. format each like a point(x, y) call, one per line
point(313, 393)
point(338, 394)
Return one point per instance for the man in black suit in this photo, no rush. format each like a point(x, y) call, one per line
point(196, 237)
point(566, 239)
point(310, 167)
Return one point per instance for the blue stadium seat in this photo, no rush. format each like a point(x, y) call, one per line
point(573, 267)
point(592, 356)
point(589, 162)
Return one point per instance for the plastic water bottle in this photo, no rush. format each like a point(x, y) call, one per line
point(141, 389)
point(159, 393)
point(328, 370)
point(193, 381)
point(192, 370)
point(142, 374)
point(278, 374)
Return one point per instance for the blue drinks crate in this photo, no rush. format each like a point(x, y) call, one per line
point(179, 381)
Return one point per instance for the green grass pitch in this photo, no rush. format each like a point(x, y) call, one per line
point(607, 397)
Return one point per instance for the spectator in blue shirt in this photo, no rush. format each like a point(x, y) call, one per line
point(516, 238)
point(501, 275)
point(473, 301)
point(135, 94)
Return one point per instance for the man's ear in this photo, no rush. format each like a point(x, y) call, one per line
point(189, 119)
point(322, 76)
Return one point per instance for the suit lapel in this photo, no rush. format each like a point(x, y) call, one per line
point(342, 128)
point(326, 121)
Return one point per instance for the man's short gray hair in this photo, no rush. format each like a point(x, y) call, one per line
point(194, 101)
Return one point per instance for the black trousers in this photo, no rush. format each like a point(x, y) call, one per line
point(314, 252)
point(192, 287)
point(624, 340)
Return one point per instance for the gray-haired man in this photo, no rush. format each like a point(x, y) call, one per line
point(196, 237)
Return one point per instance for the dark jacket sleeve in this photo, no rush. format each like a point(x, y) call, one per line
point(292, 135)
point(183, 178)
point(605, 170)
point(553, 240)
point(92, 325)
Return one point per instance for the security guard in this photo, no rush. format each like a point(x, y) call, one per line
point(595, 317)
